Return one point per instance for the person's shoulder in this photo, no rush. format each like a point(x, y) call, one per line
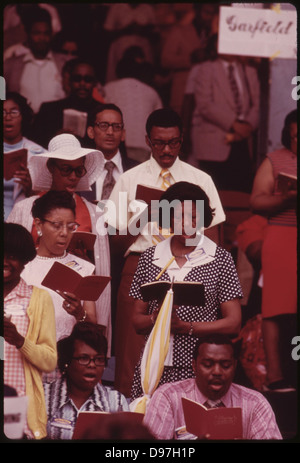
point(248, 394)
point(41, 292)
point(133, 172)
point(54, 105)
point(22, 206)
point(188, 169)
point(182, 387)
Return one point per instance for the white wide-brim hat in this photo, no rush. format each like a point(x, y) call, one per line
point(66, 147)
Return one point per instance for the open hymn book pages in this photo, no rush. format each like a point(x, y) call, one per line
point(75, 121)
point(286, 182)
point(221, 423)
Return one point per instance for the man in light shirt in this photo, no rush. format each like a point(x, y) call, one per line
point(164, 137)
point(36, 74)
point(214, 364)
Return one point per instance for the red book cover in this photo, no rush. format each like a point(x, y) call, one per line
point(82, 239)
point(12, 162)
point(89, 420)
point(63, 278)
point(148, 194)
point(223, 423)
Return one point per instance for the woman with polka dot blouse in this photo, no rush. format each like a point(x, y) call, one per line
point(195, 258)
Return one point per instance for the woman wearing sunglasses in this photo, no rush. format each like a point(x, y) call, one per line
point(69, 167)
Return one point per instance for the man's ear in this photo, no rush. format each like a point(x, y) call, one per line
point(148, 141)
point(123, 135)
point(90, 132)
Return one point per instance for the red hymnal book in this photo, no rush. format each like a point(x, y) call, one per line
point(63, 278)
point(87, 239)
point(12, 162)
point(148, 194)
point(98, 420)
point(212, 423)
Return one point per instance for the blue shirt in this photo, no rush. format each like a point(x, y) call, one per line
point(62, 412)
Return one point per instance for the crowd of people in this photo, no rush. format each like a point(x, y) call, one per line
point(140, 98)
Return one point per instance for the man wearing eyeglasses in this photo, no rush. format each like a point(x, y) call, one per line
point(164, 136)
point(51, 119)
point(106, 131)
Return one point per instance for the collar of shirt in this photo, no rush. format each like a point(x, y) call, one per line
point(21, 290)
point(64, 399)
point(203, 253)
point(201, 398)
point(155, 168)
point(29, 58)
point(117, 160)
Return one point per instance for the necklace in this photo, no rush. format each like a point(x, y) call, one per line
point(48, 258)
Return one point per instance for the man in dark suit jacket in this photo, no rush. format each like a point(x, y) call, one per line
point(50, 119)
point(224, 121)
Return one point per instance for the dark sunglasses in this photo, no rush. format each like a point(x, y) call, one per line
point(80, 171)
point(78, 78)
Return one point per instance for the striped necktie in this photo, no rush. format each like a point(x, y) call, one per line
point(166, 179)
point(162, 234)
point(213, 403)
point(109, 180)
point(235, 90)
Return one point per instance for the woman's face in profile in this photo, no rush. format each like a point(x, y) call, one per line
point(56, 231)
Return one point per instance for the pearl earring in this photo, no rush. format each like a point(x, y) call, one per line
point(39, 233)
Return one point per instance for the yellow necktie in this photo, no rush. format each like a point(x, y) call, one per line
point(166, 179)
point(162, 233)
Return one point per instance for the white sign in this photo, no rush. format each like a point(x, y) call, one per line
point(258, 32)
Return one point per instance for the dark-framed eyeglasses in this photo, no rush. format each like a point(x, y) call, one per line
point(13, 113)
point(104, 126)
point(159, 145)
point(58, 226)
point(79, 78)
point(85, 360)
point(65, 171)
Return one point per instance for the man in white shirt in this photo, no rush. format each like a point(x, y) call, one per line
point(36, 74)
point(164, 137)
point(106, 129)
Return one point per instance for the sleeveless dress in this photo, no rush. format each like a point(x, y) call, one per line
point(279, 252)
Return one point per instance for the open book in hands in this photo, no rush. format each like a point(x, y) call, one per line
point(63, 278)
point(212, 423)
